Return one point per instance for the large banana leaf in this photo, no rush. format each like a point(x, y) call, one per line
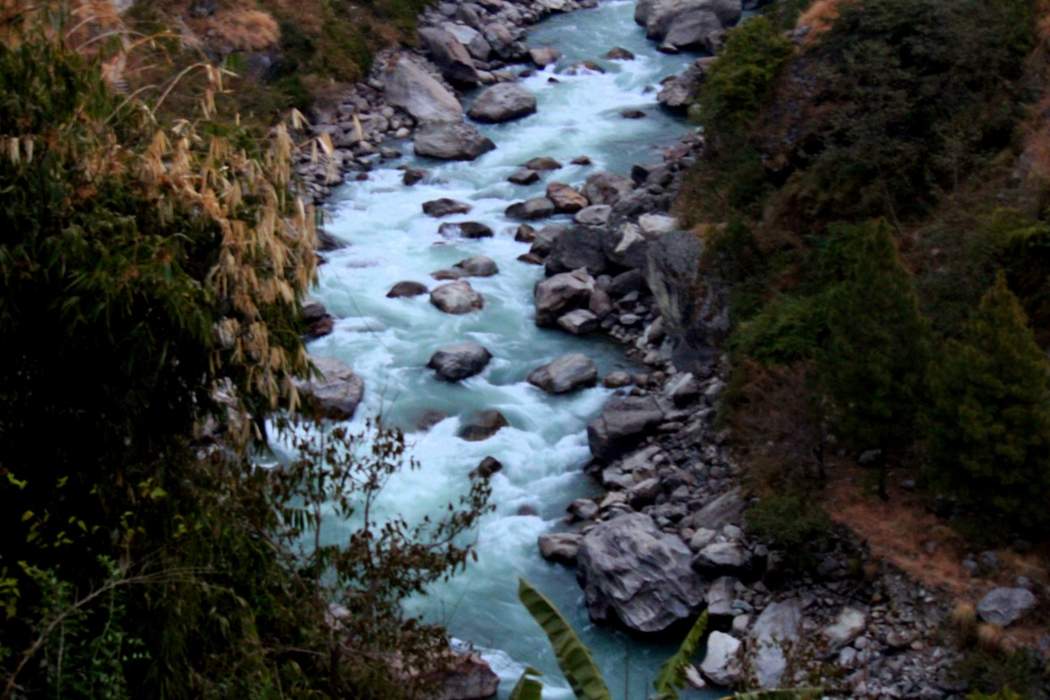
point(573, 657)
point(671, 678)
point(527, 687)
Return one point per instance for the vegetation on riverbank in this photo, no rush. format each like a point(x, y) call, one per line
point(153, 273)
point(874, 196)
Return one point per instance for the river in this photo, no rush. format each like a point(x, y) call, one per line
point(388, 341)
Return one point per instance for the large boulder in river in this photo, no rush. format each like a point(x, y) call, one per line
point(622, 423)
point(565, 374)
point(579, 247)
point(459, 361)
point(606, 188)
point(659, 16)
point(450, 55)
point(336, 393)
point(407, 288)
point(502, 103)
point(450, 141)
point(531, 209)
point(464, 229)
point(559, 294)
point(477, 266)
point(483, 425)
point(560, 547)
point(565, 197)
point(444, 206)
point(456, 298)
point(410, 87)
point(635, 574)
point(696, 29)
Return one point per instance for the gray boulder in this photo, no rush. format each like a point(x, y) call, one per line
point(337, 393)
point(450, 55)
point(476, 44)
point(725, 509)
point(542, 163)
point(465, 677)
point(450, 141)
point(566, 373)
point(776, 629)
point(478, 266)
point(559, 294)
point(410, 87)
point(635, 574)
point(456, 298)
point(459, 361)
point(722, 559)
point(721, 663)
point(579, 247)
point(531, 209)
point(696, 29)
point(407, 288)
point(560, 547)
point(594, 215)
point(543, 240)
point(1004, 606)
point(444, 207)
point(503, 102)
point(606, 188)
point(524, 176)
point(565, 197)
point(847, 626)
point(544, 56)
point(656, 225)
point(622, 423)
point(579, 322)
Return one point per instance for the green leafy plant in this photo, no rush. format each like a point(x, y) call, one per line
point(671, 677)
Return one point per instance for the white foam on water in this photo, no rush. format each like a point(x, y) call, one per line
point(388, 342)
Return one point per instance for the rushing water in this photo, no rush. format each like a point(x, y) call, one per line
point(388, 342)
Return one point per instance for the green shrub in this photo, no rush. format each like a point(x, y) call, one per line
point(997, 675)
point(988, 425)
point(791, 523)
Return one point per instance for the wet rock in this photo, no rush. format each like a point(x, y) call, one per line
point(503, 102)
point(683, 389)
point(525, 176)
point(445, 207)
point(560, 547)
point(776, 629)
point(465, 229)
point(561, 293)
point(486, 468)
point(635, 574)
point(543, 163)
point(594, 215)
point(524, 233)
point(412, 176)
point(531, 209)
point(848, 625)
point(429, 418)
point(336, 393)
point(530, 259)
point(445, 275)
point(632, 114)
point(578, 248)
point(450, 55)
point(406, 289)
point(606, 188)
point(483, 425)
point(622, 423)
point(696, 29)
point(619, 54)
point(660, 17)
point(578, 322)
point(459, 361)
point(544, 56)
point(679, 91)
point(721, 663)
point(456, 298)
point(544, 239)
point(566, 373)
point(410, 87)
point(1004, 606)
point(566, 199)
point(450, 141)
point(478, 266)
point(318, 321)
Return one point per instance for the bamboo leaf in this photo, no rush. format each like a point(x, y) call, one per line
point(574, 658)
point(527, 687)
point(671, 678)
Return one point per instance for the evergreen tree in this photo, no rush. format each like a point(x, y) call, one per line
point(873, 361)
point(989, 419)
